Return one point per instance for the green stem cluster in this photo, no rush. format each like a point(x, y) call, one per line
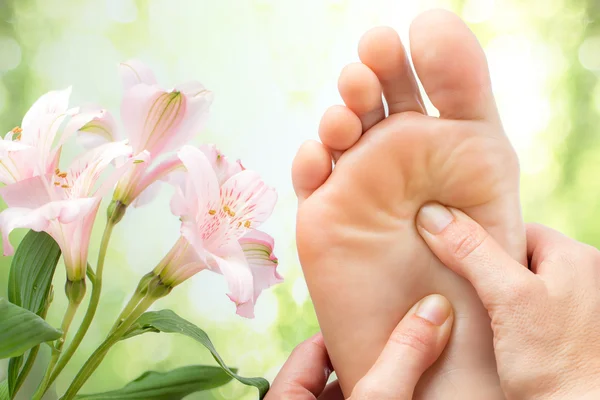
point(115, 213)
point(149, 289)
point(67, 319)
point(96, 358)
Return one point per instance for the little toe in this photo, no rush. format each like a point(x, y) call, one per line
point(310, 169)
point(361, 91)
point(382, 51)
point(340, 128)
point(451, 66)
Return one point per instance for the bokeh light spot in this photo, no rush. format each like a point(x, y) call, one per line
point(477, 11)
point(299, 291)
point(124, 11)
point(589, 53)
point(3, 97)
point(10, 54)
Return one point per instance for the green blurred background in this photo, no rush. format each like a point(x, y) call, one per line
point(273, 67)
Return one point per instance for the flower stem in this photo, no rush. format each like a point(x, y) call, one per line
point(32, 353)
point(67, 319)
point(96, 358)
point(133, 303)
point(26, 369)
point(93, 304)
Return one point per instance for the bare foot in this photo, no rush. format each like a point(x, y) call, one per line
point(363, 259)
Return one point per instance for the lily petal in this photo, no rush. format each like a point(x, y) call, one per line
point(102, 128)
point(151, 117)
point(258, 249)
point(148, 187)
point(16, 161)
point(134, 72)
point(53, 103)
point(201, 174)
point(239, 279)
point(223, 167)
point(30, 193)
point(39, 219)
point(249, 197)
point(86, 170)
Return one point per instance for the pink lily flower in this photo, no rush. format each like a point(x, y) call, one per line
point(44, 129)
point(156, 121)
point(220, 206)
point(64, 203)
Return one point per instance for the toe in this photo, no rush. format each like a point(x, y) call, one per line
point(451, 66)
point(361, 91)
point(340, 128)
point(382, 51)
point(310, 169)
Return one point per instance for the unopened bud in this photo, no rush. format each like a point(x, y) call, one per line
point(142, 287)
point(75, 291)
point(157, 289)
point(116, 211)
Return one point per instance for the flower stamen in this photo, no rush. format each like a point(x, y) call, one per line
point(212, 212)
point(228, 211)
point(17, 130)
point(247, 224)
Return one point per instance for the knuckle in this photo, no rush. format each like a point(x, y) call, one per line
point(467, 241)
point(416, 338)
point(291, 390)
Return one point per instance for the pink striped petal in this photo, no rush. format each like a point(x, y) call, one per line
point(247, 195)
point(258, 249)
point(102, 128)
point(152, 117)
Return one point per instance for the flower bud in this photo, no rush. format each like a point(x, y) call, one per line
point(142, 287)
point(157, 289)
point(116, 211)
point(75, 291)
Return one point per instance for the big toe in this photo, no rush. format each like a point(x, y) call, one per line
point(452, 66)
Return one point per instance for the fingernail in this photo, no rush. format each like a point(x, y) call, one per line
point(434, 218)
point(435, 309)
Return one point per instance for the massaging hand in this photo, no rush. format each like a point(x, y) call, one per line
point(415, 344)
point(546, 320)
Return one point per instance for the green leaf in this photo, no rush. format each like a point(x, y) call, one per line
point(30, 281)
point(4, 390)
point(32, 270)
point(169, 322)
point(21, 330)
point(172, 385)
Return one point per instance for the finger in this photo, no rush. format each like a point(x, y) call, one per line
point(542, 242)
point(304, 375)
point(415, 344)
point(332, 392)
point(466, 248)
